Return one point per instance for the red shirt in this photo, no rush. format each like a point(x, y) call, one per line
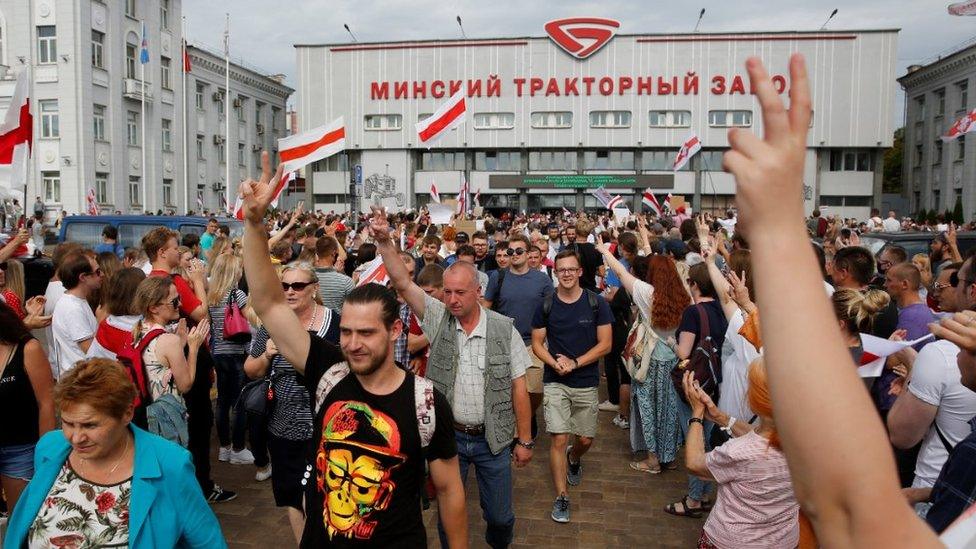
point(188, 299)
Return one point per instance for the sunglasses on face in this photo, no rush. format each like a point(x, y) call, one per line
point(514, 251)
point(175, 302)
point(3, 266)
point(297, 286)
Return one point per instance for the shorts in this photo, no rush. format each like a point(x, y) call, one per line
point(570, 410)
point(288, 467)
point(17, 461)
point(533, 374)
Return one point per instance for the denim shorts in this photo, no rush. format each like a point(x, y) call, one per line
point(17, 461)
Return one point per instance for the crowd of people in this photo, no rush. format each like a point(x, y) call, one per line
point(364, 366)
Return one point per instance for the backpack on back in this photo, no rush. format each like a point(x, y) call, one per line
point(591, 298)
point(705, 362)
point(131, 358)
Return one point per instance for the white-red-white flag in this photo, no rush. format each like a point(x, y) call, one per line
point(876, 350)
point(286, 179)
point(92, 202)
point(462, 198)
point(434, 195)
point(608, 202)
point(374, 272)
point(616, 202)
point(688, 149)
point(962, 126)
point(566, 212)
point(447, 117)
point(667, 202)
point(238, 208)
point(963, 8)
point(200, 200)
point(651, 202)
point(477, 198)
point(16, 131)
point(304, 148)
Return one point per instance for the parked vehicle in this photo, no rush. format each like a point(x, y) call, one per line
point(914, 242)
point(87, 229)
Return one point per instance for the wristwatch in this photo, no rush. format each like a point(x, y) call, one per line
point(697, 420)
point(528, 445)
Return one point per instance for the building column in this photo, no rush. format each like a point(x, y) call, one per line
point(878, 180)
point(696, 167)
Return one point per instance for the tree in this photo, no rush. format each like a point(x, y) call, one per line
point(957, 215)
point(891, 179)
point(922, 215)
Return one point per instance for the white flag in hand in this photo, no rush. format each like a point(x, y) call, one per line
point(301, 149)
point(375, 272)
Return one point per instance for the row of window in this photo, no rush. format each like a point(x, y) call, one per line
point(962, 101)
point(958, 151)
point(130, 11)
point(51, 181)
point(564, 119)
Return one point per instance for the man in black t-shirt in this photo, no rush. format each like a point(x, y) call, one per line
point(590, 259)
point(366, 465)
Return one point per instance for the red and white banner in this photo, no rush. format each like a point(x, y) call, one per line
point(447, 117)
point(616, 202)
point(962, 126)
point(238, 207)
point(92, 202)
point(608, 202)
point(667, 202)
point(963, 8)
point(16, 132)
point(304, 148)
point(462, 198)
point(691, 146)
point(286, 179)
point(651, 202)
point(434, 195)
point(374, 272)
point(566, 212)
point(200, 201)
point(877, 350)
point(477, 198)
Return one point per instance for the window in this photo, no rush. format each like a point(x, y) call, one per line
point(164, 80)
point(849, 201)
point(98, 122)
point(101, 188)
point(660, 161)
point(379, 122)
point(47, 44)
point(936, 198)
point(219, 98)
point(856, 161)
point(918, 156)
point(258, 111)
point(502, 161)
point(130, 8)
point(561, 119)
point(132, 127)
point(727, 119)
point(133, 190)
point(442, 161)
point(167, 135)
point(275, 115)
point(961, 147)
point(494, 120)
point(221, 152)
point(241, 155)
point(239, 107)
point(201, 89)
point(940, 102)
point(98, 47)
point(963, 89)
point(710, 161)
point(669, 119)
point(164, 16)
point(552, 160)
point(920, 108)
point(200, 146)
point(937, 154)
point(130, 60)
point(610, 119)
point(608, 160)
point(334, 163)
point(52, 186)
point(49, 118)
point(167, 192)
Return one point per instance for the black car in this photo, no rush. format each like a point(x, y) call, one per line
point(914, 242)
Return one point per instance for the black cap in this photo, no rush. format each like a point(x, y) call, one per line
point(461, 236)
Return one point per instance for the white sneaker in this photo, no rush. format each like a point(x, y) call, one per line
point(607, 406)
point(263, 474)
point(619, 421)
point(243, 457)
point(224, 454)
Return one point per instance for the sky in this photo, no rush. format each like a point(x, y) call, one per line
point(263, 33)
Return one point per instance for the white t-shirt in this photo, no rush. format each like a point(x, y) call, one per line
point(73, 322)
point(737, 355)
point(643, 298)
point(935, 381)
point(891, 225)
point(53, 293)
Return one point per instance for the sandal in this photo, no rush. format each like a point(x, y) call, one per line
point(707, 505)
point(642, 467)
point(685, 511)
point(671, 465)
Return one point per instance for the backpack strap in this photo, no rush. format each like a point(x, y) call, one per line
point(142, 384)
point(591, 298)
point(942, 437)
point(703, 323)
point(329, 380)
point(547, 307)
point(148, 338)
point(423, 398)
point(501, 282)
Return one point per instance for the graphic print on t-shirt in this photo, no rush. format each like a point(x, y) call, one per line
point(355, 460)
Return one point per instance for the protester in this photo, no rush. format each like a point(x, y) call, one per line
point(115, 330)
point(73, 323)
point(334, 286)
point(110, 242)
point(12, 286)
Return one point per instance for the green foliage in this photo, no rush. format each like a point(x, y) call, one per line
point(891, 179)
point(957, 215)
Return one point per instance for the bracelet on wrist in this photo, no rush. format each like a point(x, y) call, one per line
point(697, 420)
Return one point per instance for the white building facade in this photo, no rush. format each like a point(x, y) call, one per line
point(87, 90)
point(544, 125)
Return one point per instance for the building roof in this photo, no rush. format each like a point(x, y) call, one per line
point(253, 73)
point(946, 61)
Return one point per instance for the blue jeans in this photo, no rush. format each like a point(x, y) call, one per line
point(697, 488)
point(494, 474)
point(230, 381)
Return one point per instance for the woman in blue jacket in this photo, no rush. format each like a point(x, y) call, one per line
point(103, 482)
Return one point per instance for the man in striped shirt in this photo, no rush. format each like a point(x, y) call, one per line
point(333, 285)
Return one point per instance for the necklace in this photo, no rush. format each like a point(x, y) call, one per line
point(125, 450)
point(311, 322)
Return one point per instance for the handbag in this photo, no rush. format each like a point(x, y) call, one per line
point(236, 327)
point(256, 397)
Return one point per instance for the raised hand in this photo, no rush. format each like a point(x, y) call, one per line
point(960, 329)
point(257, 195)
point(702, 227)
point(199, 334)
point(379, 225)
point(601, 246)
point(769, 171)
point(738, 290)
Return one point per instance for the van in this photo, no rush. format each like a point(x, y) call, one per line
point(87, 229)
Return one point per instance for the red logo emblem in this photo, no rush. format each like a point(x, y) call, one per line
point(581, 37)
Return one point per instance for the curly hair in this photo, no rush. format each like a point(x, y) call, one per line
point(670, 298)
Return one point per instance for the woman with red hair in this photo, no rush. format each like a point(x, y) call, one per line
point(654, 402)
point(755, 505)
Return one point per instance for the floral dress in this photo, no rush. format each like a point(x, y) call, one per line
point(79, 514)
point(158, 375)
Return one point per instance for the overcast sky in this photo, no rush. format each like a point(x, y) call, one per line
point(263, 33)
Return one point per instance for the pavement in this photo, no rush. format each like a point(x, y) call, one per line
point(614, 506)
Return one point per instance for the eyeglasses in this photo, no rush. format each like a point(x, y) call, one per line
point(514, 251)
point(562, 272)
point(954, 279)
point(297, 286)
point(942, 286)
point(175, 302)
point(96, 272)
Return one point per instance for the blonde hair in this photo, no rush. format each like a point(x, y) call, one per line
point(225, 273)
point(858, 309)
point(15, 278)
point(221, 245)
point(151, 292)
point(308, 270)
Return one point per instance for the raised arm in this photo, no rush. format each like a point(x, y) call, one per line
point(626, 279)
point(853, 501)
point(379, 230)
point(284, 230)
point(16, 241)
point(269, 303)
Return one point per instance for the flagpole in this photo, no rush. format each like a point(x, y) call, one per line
point(142, 102)
point(227, 107)
point(186, 177)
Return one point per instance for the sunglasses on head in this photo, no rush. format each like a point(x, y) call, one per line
point(514, 251)
point(297, 286)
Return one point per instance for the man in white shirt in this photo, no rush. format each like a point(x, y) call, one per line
point(891, 223)
point(73, 326)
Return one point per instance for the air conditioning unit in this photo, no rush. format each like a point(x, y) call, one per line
point(238, 102)
point(217, 186)
point(217, 96)
point(255, 148)
point(260, 129)
point(218, 139)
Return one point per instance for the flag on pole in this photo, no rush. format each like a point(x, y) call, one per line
point(566, 212)
point(477, 198)
point(144, 53)
point(667, 202)
point(286, 179)
point(200, 200)
point(651, 202)
point(962, 126)
point(963, 8)
point(462, 198)
point(304, 148)
point(186, 58)
point(434, 195)
point(609, 202)
point(16, 128)
point(238, 207)
point(447, 117)
point(92, 202)
point(688, 149)
point(374, 272)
